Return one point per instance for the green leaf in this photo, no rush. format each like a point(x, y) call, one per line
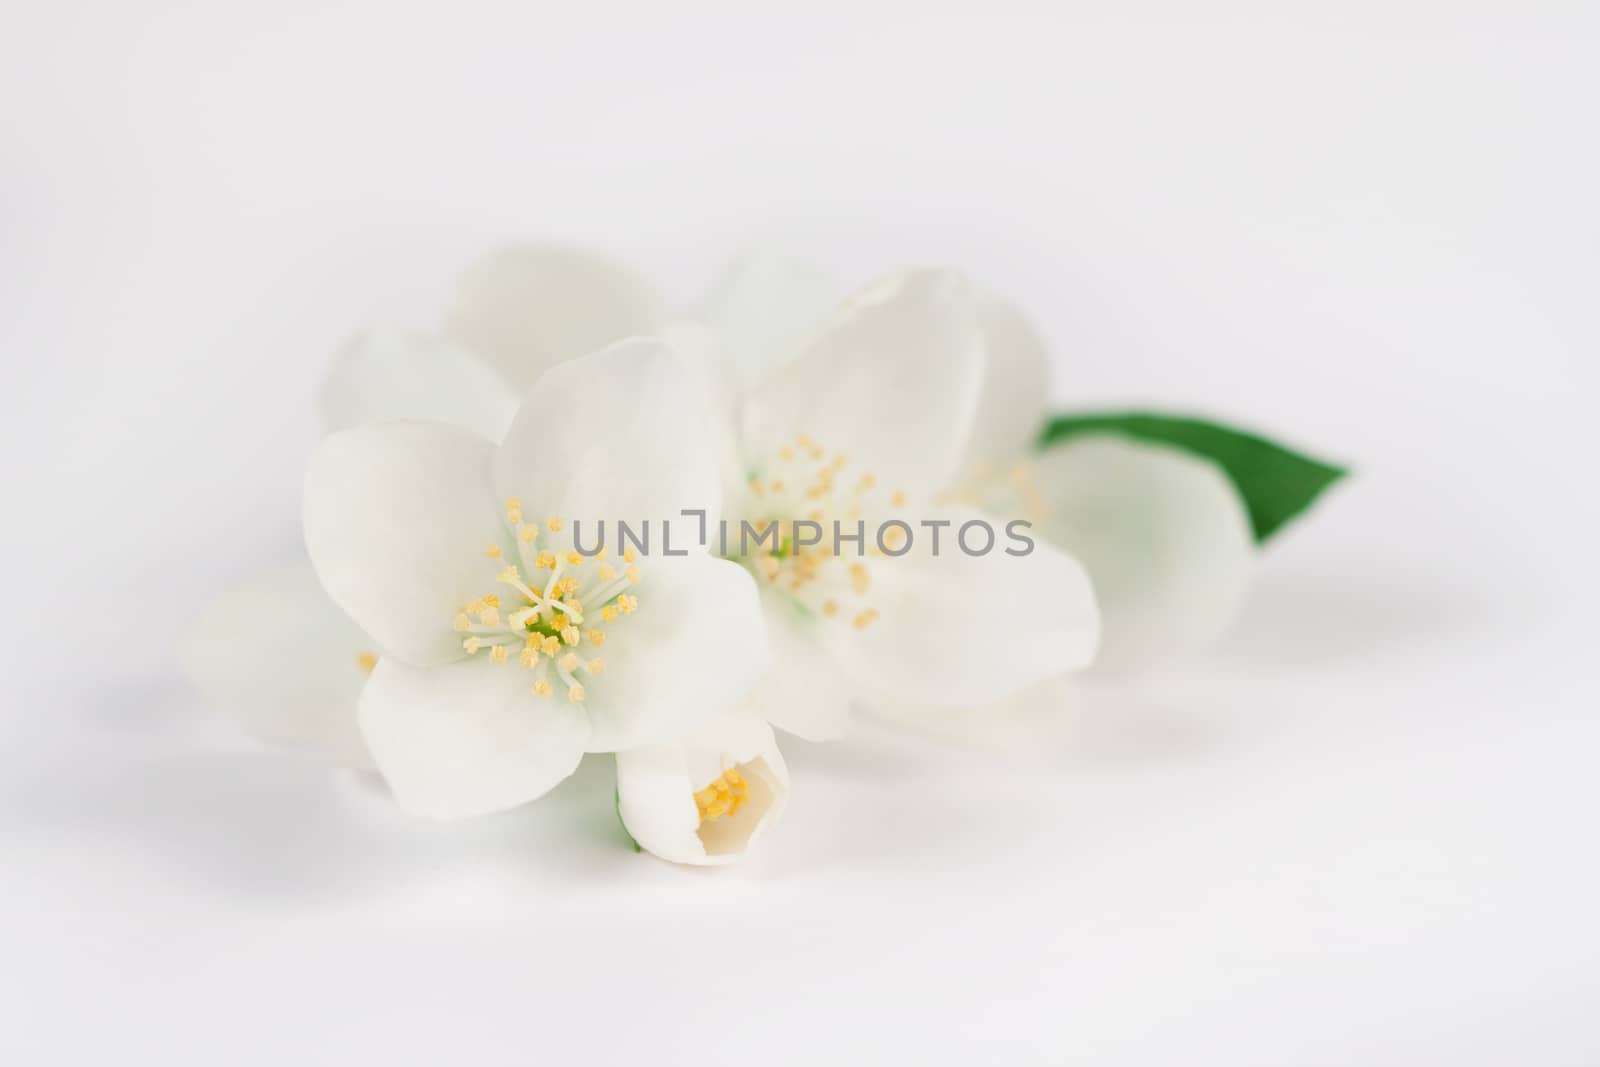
point(1277, 483)
point(617, 797)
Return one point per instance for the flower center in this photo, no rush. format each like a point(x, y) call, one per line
point(805, 484)
point(548, 620)
point(725, 796)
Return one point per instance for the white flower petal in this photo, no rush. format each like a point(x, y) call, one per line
point(389, 375)
point(282, 657)
point(527, 308)
point(1163, 533)
point(467, 738)
point(804, 693)
point(893, 384)
point(656, 787)
point(766, 307)
point(688, 655)
point(623, 434)
point(397, 519)
point(1016, 386)
point(955, 629)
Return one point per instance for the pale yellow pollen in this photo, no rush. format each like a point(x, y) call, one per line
point(630, 556)
point(498, 654)
point(607, 572)
point(489, 616)
point(777, 486)
point(786, 453)
point(528, 533)
point(545, 561)
point(575, 694)
point(514, 510)
point(769, 567)
point(574, 558)
point(568, 586)
point(860, 578)
point(569, 634)
point(569, 662)
point(830, 608)
point(866, 618)
point(868, 481)
point(755, 486)
point(510, 574)
point(551, 646)
point(542, 687)
point(553, 523)
point(609, 613)
point(633, 574)
point(597, 637)
point(463, 623)
point(472, 644)
point(803, 441)
point(898, 500)
point(528, 656)
point(722, 797)
point(597, 666)
point(367, 660)
point(628, 604)
point(601, 553)
point(493, 552)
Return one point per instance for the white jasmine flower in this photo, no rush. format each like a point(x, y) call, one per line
point(504, 653)
point(705, 799)
point(866, 419)
point(274, 650)
point(1163, 534)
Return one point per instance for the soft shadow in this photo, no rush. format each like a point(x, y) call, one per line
point(290, 829)
point(1323, 619)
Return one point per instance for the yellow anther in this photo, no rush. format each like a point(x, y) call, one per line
point(609, 613)
point(866, 618)
point(898, 499)
point(514, 510)
point(551, 646)
point(722, 797)
point(633, 574)
point(489, 616)
point(630, 555)
point(545, 561)
point(493, 552)
point(860, 577)
point(367, 660)
point(569, 662)
point(568, 586)
point(510, 574)
point(601, 553)
point(542, 687)
point(573, 557)
point(597, 637)
point(803, 441)
point(528, 656)
point(472, 644)
point(786, 453)
point(528, 533)
point(575, 694)
point(553, 523)
point(498, 654)
point(607, 572)
point(597, 666)
point(628, 604)
point(830, 608)
point(777, 486)
point(868, 481)
point(463, 623)
point(769, 567)
point(570, 635)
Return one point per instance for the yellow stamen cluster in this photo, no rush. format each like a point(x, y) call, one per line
point(365, 661)
point(722, 797)
point(542, 626)
point(806, 479)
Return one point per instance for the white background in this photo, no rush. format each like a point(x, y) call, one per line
point(1360, 831)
